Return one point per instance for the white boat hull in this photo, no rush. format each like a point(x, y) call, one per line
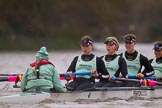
point(101, 95)
point(25, 98)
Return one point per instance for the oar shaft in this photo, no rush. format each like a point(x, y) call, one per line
point(146, 82)
point(8, 78)
point(126, 79)
point(63, 74)
point(135, 77)
point(9, 74)
point(3, 79)
point(159, 83)
point(13, 77)
point(76, 73)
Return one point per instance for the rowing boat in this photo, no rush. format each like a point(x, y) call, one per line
point(102, 94)
point(105, 93)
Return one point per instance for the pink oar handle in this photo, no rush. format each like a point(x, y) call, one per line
point(152, 82)
point(12, 78)
point(149, 82)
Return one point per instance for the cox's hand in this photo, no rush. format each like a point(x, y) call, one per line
point(94, 73)
point(140, 75)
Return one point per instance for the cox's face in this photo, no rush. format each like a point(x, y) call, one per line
point(86, 49)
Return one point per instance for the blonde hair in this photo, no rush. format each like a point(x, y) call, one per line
point(130, 35)
point(112, 38)
point(86, 38)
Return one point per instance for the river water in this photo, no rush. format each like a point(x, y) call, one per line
point(17, 62)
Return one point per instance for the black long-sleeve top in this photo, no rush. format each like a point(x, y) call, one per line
point(101, 69)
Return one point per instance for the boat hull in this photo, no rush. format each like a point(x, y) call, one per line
point(101, 94)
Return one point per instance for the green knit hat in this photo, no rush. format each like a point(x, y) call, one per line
point(42, 54)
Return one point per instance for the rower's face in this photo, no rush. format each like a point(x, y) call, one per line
point(111, 48)
point(158, 53)
point(130, 46)
point(86, 49)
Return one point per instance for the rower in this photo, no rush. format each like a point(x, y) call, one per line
point(135, 60)
point(115, 64)
point(41, 75)
point(157, 61)
point(86, 62)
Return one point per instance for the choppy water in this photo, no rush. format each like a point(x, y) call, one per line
point(16, 62)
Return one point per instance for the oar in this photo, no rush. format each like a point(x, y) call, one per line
point(8, 78)
point(135, 77)
point(124, 88)
point(76, 73)
point(147, 82)
point(12, 74)
point(17, 77)
point(63, 74)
